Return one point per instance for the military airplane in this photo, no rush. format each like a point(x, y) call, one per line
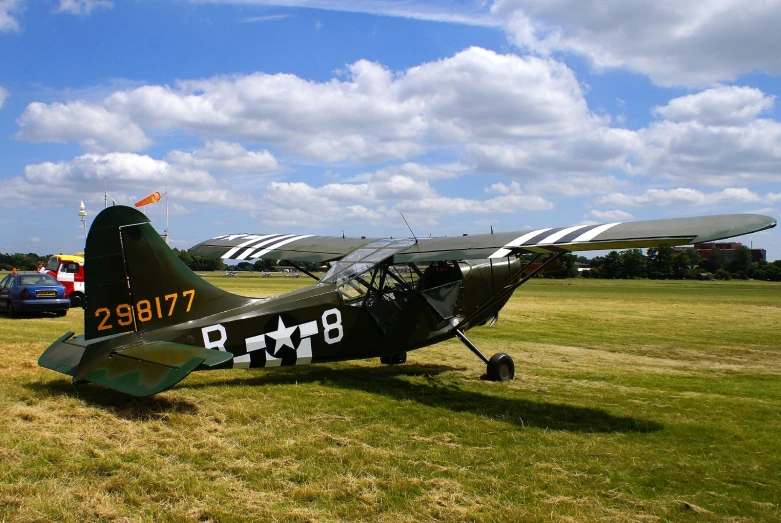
point(150, 320)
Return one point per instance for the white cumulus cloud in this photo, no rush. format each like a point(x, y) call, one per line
point(675, 43)
point(687, 196)
point(366, 114)
point(82, 7)
point(4, 94)
point(221, 156)
point(610, 216)
point(91, 125)
point(8, 10)
point(129, 175)
point(731, 105)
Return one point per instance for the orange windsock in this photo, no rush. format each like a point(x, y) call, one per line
point(152, 198)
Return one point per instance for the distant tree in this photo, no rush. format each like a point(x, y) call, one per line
point(22, 262)
point(185, 256)
point(742, 262)
point(717, 260)
point(767, 271)
point(723, 274)
point(263, 265)
point(570, 264)
point(244, 266)
point(199, 263)
point(632, 264)
point(684, 264)
point(661, 263)
point(611, 267)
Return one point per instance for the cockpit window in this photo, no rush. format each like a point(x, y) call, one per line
point(361, 272)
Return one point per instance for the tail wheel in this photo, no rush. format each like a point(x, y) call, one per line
point(397, 358)
point(500, 367)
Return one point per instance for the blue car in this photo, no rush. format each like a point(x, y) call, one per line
point(32, 292)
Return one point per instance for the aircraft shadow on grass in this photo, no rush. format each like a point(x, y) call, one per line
point(118, 404)
point(386, 381)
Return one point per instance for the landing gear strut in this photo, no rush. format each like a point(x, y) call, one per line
point(499, 368)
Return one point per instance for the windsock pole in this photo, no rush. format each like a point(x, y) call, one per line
point(166, 215)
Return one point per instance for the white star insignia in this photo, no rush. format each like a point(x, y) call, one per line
point(282, 336)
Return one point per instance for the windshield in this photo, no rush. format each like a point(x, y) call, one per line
point(52, 264)
point(354, 275)
point(37, 279)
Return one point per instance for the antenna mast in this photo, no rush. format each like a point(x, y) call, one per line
point(408, 227)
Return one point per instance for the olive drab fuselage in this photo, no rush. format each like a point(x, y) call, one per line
point(321, 324)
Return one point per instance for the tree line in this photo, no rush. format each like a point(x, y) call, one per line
point(665, 263)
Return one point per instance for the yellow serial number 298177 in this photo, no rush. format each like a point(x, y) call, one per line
point(144, 310)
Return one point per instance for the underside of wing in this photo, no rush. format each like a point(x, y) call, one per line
point(627, 235)
point(290, 247)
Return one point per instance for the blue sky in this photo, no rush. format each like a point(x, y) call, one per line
point(325, 116)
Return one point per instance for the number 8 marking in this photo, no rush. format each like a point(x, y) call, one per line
point(329, 327)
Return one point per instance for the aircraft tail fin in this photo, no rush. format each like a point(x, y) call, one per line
point(135, 282)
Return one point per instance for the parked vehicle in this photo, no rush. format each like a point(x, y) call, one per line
point(33, 292)
point(69, 270)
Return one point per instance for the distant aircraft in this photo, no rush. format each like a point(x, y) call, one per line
point(150, 320)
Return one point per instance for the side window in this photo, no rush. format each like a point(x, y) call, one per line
point(5, 281)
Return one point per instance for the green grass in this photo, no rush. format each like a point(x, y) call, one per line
point(634, 400)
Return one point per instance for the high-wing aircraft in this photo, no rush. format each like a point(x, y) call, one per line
point(150, 320)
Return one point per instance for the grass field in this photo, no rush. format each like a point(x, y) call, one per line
point(633, 401)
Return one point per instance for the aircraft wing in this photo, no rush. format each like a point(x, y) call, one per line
point(290, 247)
point(618, 235)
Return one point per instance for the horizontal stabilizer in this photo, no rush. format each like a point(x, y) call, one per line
point(62, 356)
point(174, 354)
point(140, 370)
point(150, 368)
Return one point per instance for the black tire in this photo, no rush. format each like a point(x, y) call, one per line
point(76, 300)
point(397, 358)
point(62, 313)
point(500, 367)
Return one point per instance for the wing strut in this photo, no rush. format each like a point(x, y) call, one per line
point(303, 270)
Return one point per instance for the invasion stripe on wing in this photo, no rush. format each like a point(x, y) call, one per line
point(593, 233)
point(504, 251)
point(558, 236)
point(252, 239)
point(244, 255)
point(280, 244)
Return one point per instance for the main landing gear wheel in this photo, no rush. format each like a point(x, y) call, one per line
point(397, 358)
point(500, 367)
